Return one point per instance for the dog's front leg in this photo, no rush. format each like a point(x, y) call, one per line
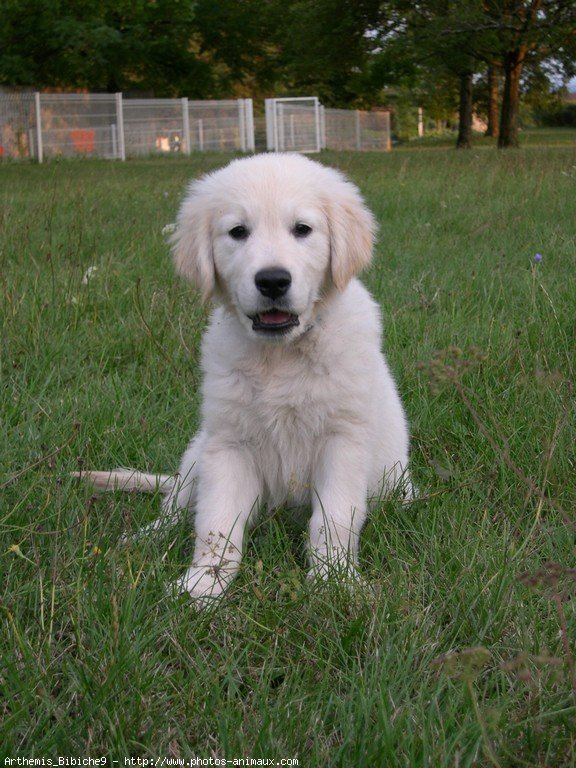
point(338, 507)
point(227, 494)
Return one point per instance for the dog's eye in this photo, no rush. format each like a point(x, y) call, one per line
point(239, 233)
point(301, 230)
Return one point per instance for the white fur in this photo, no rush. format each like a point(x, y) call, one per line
point(308, 417)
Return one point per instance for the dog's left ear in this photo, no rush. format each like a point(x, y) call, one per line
point(352, 231)
point(192, 241)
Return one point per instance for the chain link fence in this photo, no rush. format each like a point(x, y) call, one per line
point(356, 130)
point(304, 125)
point(43, 125)
point(180, 125)
point(216, 125)
point(70, 124)
point(17, 123)
point(293, 125)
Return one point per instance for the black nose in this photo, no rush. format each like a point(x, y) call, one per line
point(273, 282)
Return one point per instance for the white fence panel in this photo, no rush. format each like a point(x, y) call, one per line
point(375, 133)
point(17, 124)
point(293, 125)
point(303, 125)
point(355, 130)
point(68, 124)
point(222, 125)
point(106, 125)
point(153, 125)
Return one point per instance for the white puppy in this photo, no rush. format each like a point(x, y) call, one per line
point(298, 403)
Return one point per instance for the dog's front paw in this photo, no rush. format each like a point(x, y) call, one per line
point(205, 583)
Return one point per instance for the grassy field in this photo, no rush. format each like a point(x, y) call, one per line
point(463, 651)
point(535, 137)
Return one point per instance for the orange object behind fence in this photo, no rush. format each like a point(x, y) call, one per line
point(83, 140)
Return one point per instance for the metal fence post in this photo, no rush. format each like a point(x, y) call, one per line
point(241, 124)
point(201, 134)
point(249, 120)
point(120, 124)
point(358, 131)
point(318, 126)
point(246, 125)
point(38, 127)
point(186, 125)
point(279, 133)
point(270, 108)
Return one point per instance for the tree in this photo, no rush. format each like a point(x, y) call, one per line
point(526, 32)
point(319, 47)
point(104, 45)
point(240, 40)
point(465, 111)
point(328, 45)
point(511, 34)
point(493, 84)
point(445, 34)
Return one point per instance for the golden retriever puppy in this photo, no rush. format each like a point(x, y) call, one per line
point(298, 403)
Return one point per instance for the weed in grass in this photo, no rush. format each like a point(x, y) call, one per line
point(557, 583)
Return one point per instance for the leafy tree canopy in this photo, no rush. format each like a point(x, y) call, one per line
point(104, 45)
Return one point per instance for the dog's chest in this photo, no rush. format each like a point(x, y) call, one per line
point(286, 401)
point(282, 408)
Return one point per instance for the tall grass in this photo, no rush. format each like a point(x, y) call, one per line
point(461, 652)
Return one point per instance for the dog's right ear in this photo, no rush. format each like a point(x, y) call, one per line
point(192, 242)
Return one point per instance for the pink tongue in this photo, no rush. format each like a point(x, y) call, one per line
point(274, 318)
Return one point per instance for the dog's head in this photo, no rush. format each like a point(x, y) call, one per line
point(270, 236)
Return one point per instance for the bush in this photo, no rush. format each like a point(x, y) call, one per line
point(562, 117)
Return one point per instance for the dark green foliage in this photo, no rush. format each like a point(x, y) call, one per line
point(102, 46)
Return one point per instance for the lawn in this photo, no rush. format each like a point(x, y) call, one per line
point(462, 651)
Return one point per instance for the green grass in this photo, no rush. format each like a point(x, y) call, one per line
point(462, 651)
point(530, 137)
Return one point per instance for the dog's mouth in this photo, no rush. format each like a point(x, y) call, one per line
point(274, 321)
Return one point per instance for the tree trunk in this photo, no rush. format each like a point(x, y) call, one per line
point(464, 140)
point(493, 101)
point(513, 63)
